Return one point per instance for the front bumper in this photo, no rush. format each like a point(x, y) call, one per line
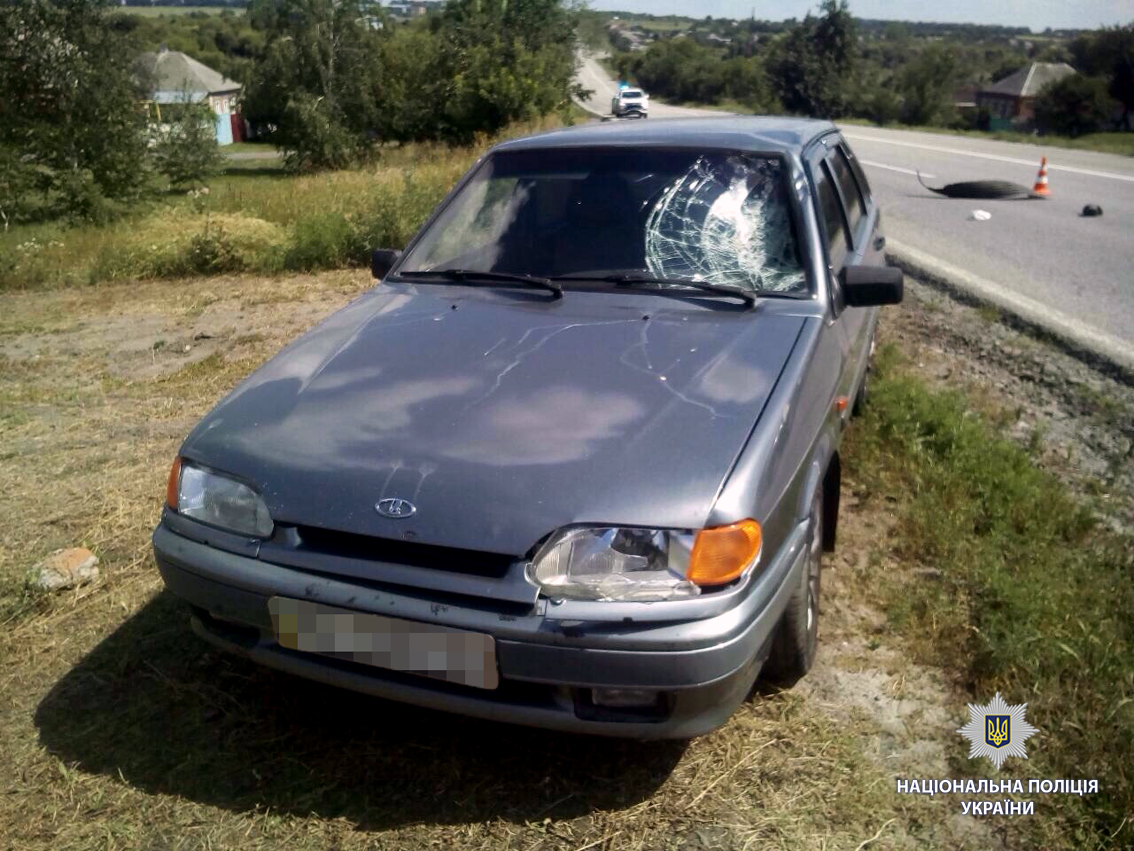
point(704, 668)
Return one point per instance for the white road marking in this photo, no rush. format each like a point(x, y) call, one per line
point(1089, 172)
point(873, 164)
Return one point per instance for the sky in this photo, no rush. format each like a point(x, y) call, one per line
point(1037, 14)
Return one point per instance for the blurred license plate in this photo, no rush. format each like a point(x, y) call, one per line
point(468, 658)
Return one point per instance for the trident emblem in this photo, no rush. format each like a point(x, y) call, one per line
point(998, 730)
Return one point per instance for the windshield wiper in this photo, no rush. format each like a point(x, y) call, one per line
point(471, 274)
point(630, 279)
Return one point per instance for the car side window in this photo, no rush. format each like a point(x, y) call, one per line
point(856, 167)
point(831, 209)
point(852, 197)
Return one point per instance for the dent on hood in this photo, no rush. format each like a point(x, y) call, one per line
point(726, 221)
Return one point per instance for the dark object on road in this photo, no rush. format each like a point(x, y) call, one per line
point(575, 462)
point(981, 189)
point(1092, 210)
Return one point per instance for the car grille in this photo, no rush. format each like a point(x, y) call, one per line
point(369, 548)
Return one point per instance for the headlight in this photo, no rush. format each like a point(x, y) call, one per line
point(217, 500)
point(613, 563)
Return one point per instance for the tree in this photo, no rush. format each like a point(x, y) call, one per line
point(186, 148)
point(1109, 53)
point(501, 61)
point(319, 82)
point(71, 120)
point(1074, 105)
point(926, 84)
point(812, 68)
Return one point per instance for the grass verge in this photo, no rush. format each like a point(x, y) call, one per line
point(1019, 592)
point(255, 218)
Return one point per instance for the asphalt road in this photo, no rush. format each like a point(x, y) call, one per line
point(1078, 268)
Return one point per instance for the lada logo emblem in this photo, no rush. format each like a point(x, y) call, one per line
point(396, 508)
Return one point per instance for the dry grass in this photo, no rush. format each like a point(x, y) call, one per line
point(119, 730)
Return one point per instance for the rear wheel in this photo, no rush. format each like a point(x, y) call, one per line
point(797, 635)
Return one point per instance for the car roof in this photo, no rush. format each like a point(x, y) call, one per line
point(772, 134)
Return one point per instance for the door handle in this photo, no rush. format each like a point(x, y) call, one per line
point(879, 243)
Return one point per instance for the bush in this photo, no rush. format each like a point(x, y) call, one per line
point(186, 150)
point(1074, 105)
point(183, 242)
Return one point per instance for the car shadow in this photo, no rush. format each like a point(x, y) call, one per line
point(153, 706)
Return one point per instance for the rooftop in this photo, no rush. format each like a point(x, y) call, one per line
point(174, 74)
point(743, 132)
point(1029, 80)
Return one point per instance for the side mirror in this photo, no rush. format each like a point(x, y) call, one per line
point(871, 286)
point(382, 260)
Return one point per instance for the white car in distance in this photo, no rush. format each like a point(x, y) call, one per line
point(628, 101)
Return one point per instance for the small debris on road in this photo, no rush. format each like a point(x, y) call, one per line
point(1091, 210)
point(980, 216)
point(65, 569)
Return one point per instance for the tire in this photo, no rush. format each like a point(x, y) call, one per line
point(861, 397)
point(797, 634)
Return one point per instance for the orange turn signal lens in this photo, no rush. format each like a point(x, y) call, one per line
point(173, 485)
point(722, 554)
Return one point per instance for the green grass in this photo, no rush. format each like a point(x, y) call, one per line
point(1031, 599)
point(254, 218)
point(1107, 143)
point(155, 11)
point(249, 148)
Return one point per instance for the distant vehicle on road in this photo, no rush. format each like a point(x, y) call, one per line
point(630, 102)
point(575, 462)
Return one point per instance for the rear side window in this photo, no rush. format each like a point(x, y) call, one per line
point(852, 196)
point(856, 167)
point(831, 210)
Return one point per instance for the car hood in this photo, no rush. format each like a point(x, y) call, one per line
point(501, 415)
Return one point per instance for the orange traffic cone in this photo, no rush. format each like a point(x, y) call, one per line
point(1041, 180)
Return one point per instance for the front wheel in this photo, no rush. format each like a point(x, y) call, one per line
point(797, 635)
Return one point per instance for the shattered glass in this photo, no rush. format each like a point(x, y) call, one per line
point(725, 221)
point(718, 217)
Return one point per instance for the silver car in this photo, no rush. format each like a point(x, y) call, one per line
point(574, 462)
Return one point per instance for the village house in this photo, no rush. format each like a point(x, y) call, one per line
point(176, 78)
point(1011, 101)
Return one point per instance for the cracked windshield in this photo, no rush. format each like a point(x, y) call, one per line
point(678, 215)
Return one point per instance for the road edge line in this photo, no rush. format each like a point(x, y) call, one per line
point(1100, 350)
